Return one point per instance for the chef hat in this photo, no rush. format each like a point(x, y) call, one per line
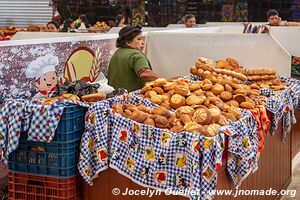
point(41, 66)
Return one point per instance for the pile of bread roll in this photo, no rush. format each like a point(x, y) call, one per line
point(89, 99)
point(198, 120)
point(228, 69)
point(68, 96)
point(266, 78)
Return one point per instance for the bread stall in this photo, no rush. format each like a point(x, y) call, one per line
point(127, 167)
point(288, 37)
point(129, 141)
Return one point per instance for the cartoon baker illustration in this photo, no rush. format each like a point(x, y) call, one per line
point(43, 71)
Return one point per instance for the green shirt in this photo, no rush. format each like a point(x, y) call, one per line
point(124, 67)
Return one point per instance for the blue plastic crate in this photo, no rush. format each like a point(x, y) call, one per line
point(57, 159)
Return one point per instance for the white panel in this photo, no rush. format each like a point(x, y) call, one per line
point(172, 54)
point(288, 37)
point(24, 12)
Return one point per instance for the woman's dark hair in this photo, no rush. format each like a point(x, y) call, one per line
point(67, 24)
point(83, 18)
point(127, 34)
point(55, 23)
point(272, 12)
point(118, 19)
point(188, 16)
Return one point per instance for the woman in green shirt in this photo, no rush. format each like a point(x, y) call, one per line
point(129, 68)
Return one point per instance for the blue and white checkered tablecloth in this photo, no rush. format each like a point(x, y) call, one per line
point(23, 115)
point(147, 155)
point(282, 106)
point(242, 148)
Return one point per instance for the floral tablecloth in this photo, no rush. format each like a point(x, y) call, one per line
point(23, 115)
point(147, 155)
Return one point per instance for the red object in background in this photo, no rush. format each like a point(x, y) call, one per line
point(30, 186)
point(5, 38)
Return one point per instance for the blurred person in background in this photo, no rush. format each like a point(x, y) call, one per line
point(68, 25)
point(190, 21)
point(273, 18)
point(53, 26)
point(120, 21)
point(83, 19)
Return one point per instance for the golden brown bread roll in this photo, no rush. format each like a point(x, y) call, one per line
point(247, 105)
point(177, 101)
point(236, 112)
point(160, 121)
point(206, 67)
point(127, 113)
point(212, 130)
point(193, 70)
point(149, 121)
point(240, 91)
point(233, 103)
point(171, 92)
point(184, 110)
point(185, 118)
point(199, 92)
point(202, 115)
point(215, 114)
point(92, 97)
point(194, 100)
point(255, 86)
point(217, 89)
point(170, 86)
point(261, 71)
point(145, 89)
point(183, 91)
point(239, 98)
point(226, 96)
point(49, 101)
point(195, 86)
point(194, 127)
point(166, 104)
point(161, 111)
point(229, 116)
point(207, 86)
point(221, 64)
point(139, 116)
point(177, 129)
point(159, 90)
point(130, 107)
point(160, 82)
point(158, 99)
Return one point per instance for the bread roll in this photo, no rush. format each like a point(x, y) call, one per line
point(202, 116)
point(177, 101)
point(93, 97)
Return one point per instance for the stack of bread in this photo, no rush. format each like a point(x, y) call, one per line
point(198, 120)
point(228, 69)
point(99, 27)
point(50, 101)
point(266, 78)
point(89, 99)
point(211, 91)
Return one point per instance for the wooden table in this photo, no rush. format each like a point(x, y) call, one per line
point(274, 171)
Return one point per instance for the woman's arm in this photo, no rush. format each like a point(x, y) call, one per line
point(148, 75)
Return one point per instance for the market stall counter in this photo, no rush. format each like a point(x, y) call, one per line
point(274, 172)
point(296, 136)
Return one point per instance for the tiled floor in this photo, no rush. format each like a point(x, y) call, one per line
point(295, 184)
